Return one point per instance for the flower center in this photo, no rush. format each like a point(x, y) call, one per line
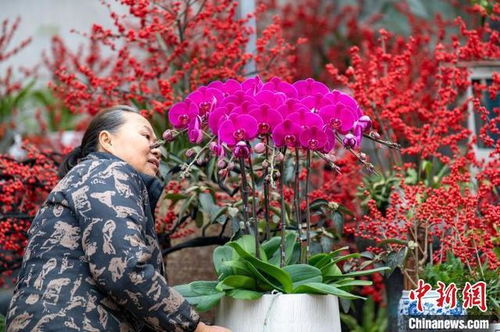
point(239, 134)
point(264, 128)
point(204, 107)
point(184, 119)
point(335, 123)
point(290, 140)
point(313, 143)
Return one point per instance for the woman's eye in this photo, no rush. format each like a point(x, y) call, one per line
point(147, 136)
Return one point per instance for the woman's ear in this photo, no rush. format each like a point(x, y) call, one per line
point(105, 141)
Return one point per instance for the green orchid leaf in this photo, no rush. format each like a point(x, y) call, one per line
point(281, 276)
point(244, 294)
point(320, 288)
point(303, 274)
point(236, 282)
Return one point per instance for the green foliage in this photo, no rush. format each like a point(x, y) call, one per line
point(242, 275)
point(2, 323)
point(379, 189)
point(369, 322)
point(453, 270)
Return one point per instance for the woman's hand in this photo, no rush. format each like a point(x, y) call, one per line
point(202, 327)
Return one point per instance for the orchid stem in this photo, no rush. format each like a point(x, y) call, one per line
point(282, 213)
point(254, 209)
point(308, 212)
point(266, 194)
point(296, 198)
point(244, 193)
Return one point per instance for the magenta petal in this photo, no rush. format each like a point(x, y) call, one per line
point(358, 133)
point(315, 101)
point(330, 140)
point(339, 97)
point(252, 85)
point(313, 138)
point(267, 118)
point(305, 118)
point(290, 106)
point(245, 108)
point(247, 123)
point(238, 98)
point(228, 87)
point(215, 117)
point(181, 114)
point(309, 87)
point(338, 117)
point(226, 131)
point(286, 133)
point(277, 85)
point(273, 99)
point(194, 132)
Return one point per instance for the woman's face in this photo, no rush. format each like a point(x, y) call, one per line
point(133, 143)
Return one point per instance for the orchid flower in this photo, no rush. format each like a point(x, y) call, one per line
point(238, 127)
point(273, 99)
point(338, 117)
point(309, 87)
point(194, 132)
point(267, 118)
point(181, 114)
point(286, 133)
point(313, 138)
point(227, 88)
point(305, 118)
point(205, 98)
point(252, 85)
point(277, 85)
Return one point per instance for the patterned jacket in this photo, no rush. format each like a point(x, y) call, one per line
point(93, 262)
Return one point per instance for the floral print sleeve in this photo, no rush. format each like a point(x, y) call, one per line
point(110, 207)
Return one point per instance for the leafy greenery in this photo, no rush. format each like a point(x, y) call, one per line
point(369, 322)
point(453, 270)
point(242, 275)
point(2, 323)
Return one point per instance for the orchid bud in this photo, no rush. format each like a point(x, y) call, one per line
point(189, 153)
point(363, 156)
point(277, 174)
point(259, 148)
point(279, 157)
point(168, 135)
point(375, 135)
point(230, 166)
point(349, 141)
point(217, 149)
point(200, 161)
point(365, 122)
point(221, 164)
point(241, 150)
point(265, 163)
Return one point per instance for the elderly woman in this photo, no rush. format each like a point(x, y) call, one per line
point(93, 262)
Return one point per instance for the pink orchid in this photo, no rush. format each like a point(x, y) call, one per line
point(273, 99)
point(227, 88)
point(286, 133)
point(194, 132)
point(338, 117)
point(267, 118)
point(205, 98)
point(330, 141)
point(252, 85)
point(312, 138)
point(305, 118)
point(277, 85)
point(290, 106)
point(238, 127)
point(181, 114)
point(309, 87)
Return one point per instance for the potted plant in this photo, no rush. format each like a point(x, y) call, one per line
point(267, 134)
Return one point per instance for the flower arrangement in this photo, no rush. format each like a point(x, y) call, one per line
point(263, 127)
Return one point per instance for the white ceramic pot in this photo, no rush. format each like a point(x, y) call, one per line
point(280, 313)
